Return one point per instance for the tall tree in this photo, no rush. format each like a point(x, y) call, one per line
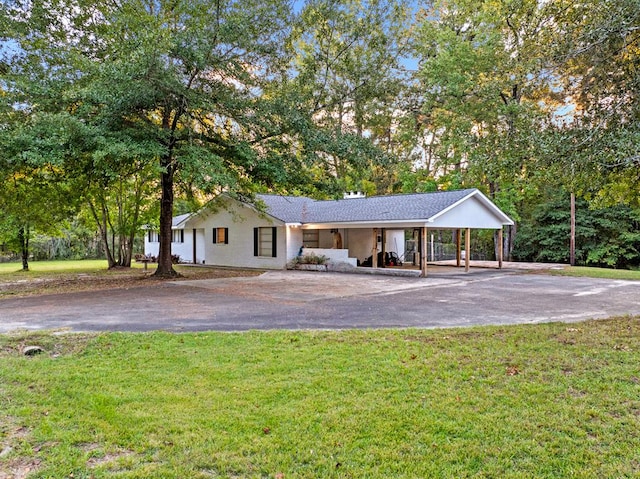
point(34, 195)
point(599, 65)
point(119, 206)
point(348, 61)
point(183, 78)
point(485, 94)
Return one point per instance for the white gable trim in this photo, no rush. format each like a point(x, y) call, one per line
point(506, 221)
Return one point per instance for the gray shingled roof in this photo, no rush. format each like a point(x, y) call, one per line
point(290, 209)
point(417, 206)
point(176, 220)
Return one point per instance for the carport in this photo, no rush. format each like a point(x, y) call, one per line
point(363, 222)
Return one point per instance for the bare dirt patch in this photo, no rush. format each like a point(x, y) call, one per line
point(109, 460)
point(124, 278)
point(100, 459)
point(61, 343)
point(14, 467)
point(18, 468)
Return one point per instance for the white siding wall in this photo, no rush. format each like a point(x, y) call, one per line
point(184, 249)
point(294, 242)
point(150, 249)
point(239, 252)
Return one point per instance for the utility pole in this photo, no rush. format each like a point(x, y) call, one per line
point(572, 241)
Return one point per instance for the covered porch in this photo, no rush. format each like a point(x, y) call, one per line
point(398, 230)
point(411, 250)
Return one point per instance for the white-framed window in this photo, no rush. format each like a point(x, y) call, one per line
point(153, 236)
point(177, 236)
point(220, 235)
point(265, 241)
point(311, 238)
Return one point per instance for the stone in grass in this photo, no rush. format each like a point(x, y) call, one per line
point(32, 350)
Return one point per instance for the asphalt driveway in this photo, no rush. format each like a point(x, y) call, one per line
point(308, 300)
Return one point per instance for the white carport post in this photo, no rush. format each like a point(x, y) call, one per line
point(467, 249)
point(423, 252)
point(374, 249)
point(458, 246)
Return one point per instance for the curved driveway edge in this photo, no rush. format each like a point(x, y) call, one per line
point(308, 300)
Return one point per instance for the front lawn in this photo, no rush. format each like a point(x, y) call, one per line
point(543, 401)
point(590, 272)
point(59, 266)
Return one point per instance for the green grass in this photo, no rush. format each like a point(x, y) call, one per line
point(62, 266)
point(597, 272)
point(543, 401)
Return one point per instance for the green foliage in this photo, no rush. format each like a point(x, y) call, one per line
point(247, 96)
point(414, 181)
point(310, 258)
point(604, 236)
point(348, 78)
point(35, 197)
point(71, 241)
point(481, 87)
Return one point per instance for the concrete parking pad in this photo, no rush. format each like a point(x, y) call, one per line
point(302, 286)
point(312, 300)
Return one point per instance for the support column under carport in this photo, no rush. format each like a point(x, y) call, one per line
point(423, 252)
point(374, 249)
point(467, 249)
point(383, 247)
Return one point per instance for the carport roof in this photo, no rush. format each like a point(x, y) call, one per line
point(416, 207)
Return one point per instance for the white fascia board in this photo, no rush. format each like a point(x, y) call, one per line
point(506, 221)
point(368, 224)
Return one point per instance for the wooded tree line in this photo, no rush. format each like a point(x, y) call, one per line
point(120, 113)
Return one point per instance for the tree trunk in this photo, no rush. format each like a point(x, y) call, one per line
point(509, 241)
point(165, 265)
point(572, 239)
point(23, 238)
point(133, 227)
point(104, 235)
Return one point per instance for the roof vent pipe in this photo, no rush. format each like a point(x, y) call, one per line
point(349, 195)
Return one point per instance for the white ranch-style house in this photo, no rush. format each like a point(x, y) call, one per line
point(275, 230)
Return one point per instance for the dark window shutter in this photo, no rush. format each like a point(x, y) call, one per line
point(150, 238)
point(226, 236)
point(181, 236)
point(255, 241)
point(215, 235)
point(274, 243)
